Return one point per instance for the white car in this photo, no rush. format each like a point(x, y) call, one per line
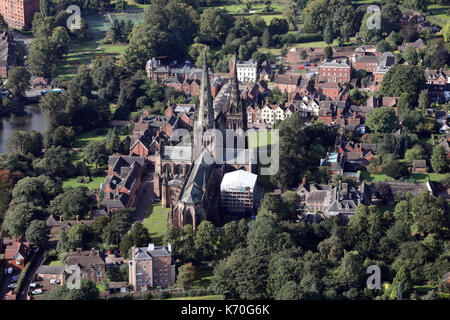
point(54, 281)
point(37, 291)
point(12, 286)
point(33, 285)
point(14, 278)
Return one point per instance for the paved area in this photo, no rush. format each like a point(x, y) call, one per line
point(144, 197)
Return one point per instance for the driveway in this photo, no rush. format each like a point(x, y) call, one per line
point(144, 197)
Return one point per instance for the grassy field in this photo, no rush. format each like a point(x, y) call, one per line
point(94, 184)
point(259, 138)
point(83, 54)
point(439, 15)
point(155, 221)
point(415, 177)
point(203, 279)
point(198, 298)
point(56, 263)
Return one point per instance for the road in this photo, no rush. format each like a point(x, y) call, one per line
point(297, 16)
point(144, 197)
point(51, 244)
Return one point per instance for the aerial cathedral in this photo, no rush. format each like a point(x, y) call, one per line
point(195, 196)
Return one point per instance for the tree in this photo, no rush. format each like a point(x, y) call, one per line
point(95, 152)
point(384, 193)
point(56, 162)
point(262, 238)
point(278, 26)
point(19, 217)
point(24, 142)
point(430, 218)
point(137, 237)
point(382, 120)
point(328, 35)
point(424, 102)
point(73, 203)
point(396, 169)
point(186, 276)
point(118, 226)
point(446, 32)
point(410, 55)
point(60, 41)
point(401, 79)
point(416, 4)
point(328, 52)
point(383, 46)
point(214, 25)
point(351, 270)
point(438, 159)
point(206, 240)
point(18, 81)
point(265, 39)
point(37, 232)
point(88, 291)
point(37, 191)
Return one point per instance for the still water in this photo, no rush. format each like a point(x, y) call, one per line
point(33, 119)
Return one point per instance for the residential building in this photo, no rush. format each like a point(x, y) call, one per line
point(287, 82)
point(92, 266)
point(341, 200)
point(16, 253)
point(47, 272)
point(122, 182)
point(334, 71)
point(239, 193)
point(247, 71)
point(151, 267)
point(19, 14)
point(419, 166)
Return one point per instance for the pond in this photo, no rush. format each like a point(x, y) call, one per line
point(31, 119)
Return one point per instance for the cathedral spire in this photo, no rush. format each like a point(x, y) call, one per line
point(205, 113)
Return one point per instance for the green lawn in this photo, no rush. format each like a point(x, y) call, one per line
point(216, 297)
point(439, 15)
point(83, 54)
point(259, 138)
point(155, 221)
point(94, 184)
point(415, 177)
point(56, 263)
point(203, 278)
point(101, 287)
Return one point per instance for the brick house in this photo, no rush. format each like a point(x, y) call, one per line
point(122, 182)
point(330, 90)
point(419, 166)
point(47, 272)
point(287, 82)
point(19, 14)
point(92, 266)
point(334, 71)
point(16, 254)
point(151, 267)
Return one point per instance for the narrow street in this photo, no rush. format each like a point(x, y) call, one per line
point(144, 197)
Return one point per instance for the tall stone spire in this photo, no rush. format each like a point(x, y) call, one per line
point(205, 112)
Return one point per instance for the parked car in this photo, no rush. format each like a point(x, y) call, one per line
point(12, 286)
point(37, 291)
point(54, 281)
point(33, 285)
point(14, 278)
